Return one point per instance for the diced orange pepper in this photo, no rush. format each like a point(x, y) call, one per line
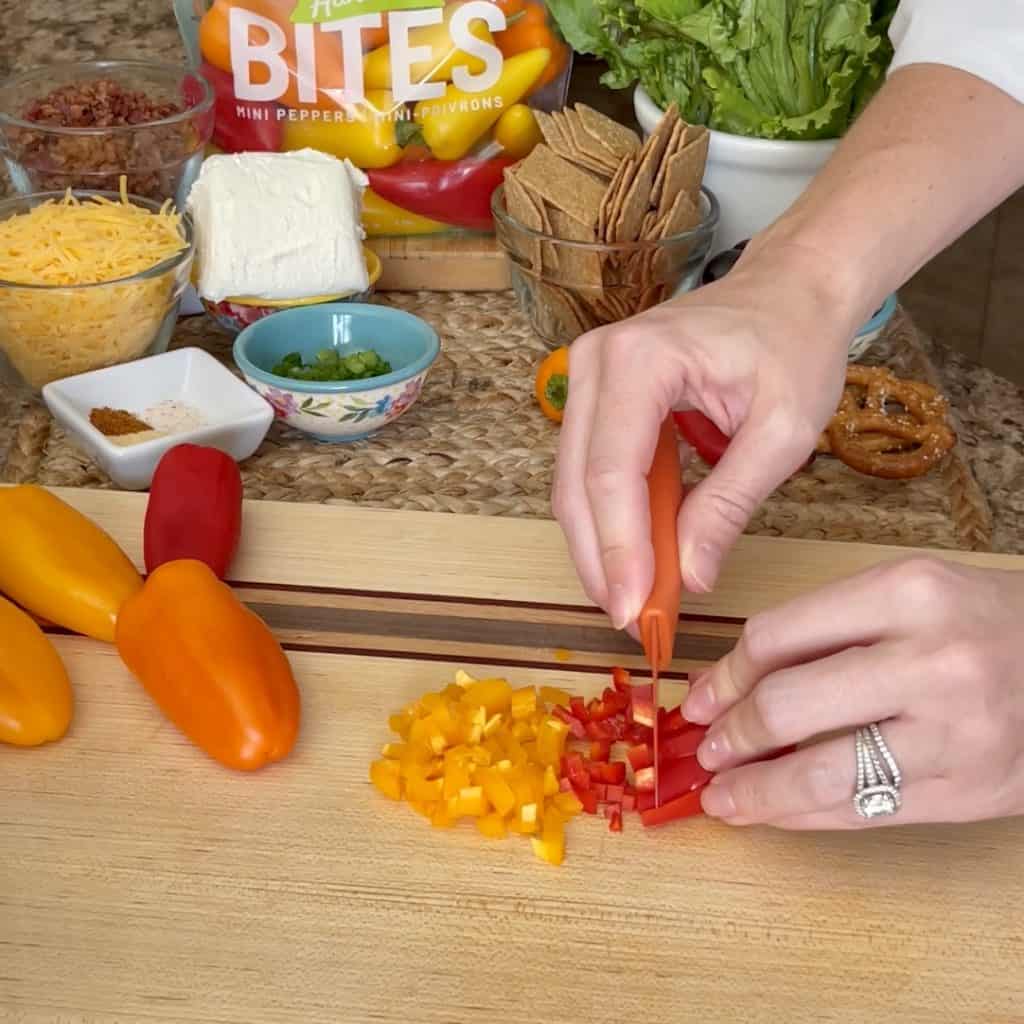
point(393, 751)
point(385, 776)
point(401, 724)
point(442, 817)
point(426, 790)
point(550, 781)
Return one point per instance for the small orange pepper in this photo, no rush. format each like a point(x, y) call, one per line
point(530, 28)
point(552, 384)
point(213, 667)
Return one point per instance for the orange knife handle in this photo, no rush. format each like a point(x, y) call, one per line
point(659, 619)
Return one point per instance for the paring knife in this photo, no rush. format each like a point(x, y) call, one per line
point(659, 618)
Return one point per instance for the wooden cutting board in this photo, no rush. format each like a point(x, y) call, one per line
point(473, 263)
point(140, 882)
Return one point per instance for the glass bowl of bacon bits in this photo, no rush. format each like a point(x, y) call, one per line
point(85, 125)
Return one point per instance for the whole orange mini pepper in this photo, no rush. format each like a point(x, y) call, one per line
point(530, 26)
point(35, 692)
point(552, 384)
point(61, 566)
point(212, 666)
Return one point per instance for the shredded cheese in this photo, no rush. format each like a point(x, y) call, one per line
point(64, 327)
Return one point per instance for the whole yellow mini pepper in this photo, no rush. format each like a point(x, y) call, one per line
point(517, 131)
point(383, 218)
point(455, 123)
point(369, 135)
point(60, 565)
point(444, 54)
point(35, 692)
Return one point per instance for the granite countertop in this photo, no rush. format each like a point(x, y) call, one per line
point(990, 409)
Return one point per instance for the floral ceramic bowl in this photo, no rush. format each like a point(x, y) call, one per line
point(235, 315)
point(338, 410)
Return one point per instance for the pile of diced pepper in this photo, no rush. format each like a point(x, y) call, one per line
point(525, 761)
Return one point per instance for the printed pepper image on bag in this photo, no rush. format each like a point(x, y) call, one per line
point(431, 99)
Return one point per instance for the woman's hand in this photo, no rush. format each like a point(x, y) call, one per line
point(931, 650)
point(762, 353)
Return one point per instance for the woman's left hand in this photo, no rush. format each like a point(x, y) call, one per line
point(931, 650)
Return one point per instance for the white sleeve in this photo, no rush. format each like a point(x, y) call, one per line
point(982, 37)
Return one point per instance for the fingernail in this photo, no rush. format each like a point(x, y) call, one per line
point(717, 801)
point(714, 751)
point(700, 567)
point(618, 609)
point(700, 704)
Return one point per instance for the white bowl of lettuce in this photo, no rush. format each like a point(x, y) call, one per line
point(777, 82)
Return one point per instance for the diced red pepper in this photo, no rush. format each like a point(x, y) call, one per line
point(564, 785)
point(683, 776)
point(629, 802)
point(682, 744)
point(686, 806)
point(599, 711)
point(635, 735)
point(645, 800)
point(601, 789)
point(576, 727)
point(578, 706)
point(588, 798)
point(645, 780)
point(614, 816)
point(600, 750)
point(671, 722)
point(641, 707)
point(621, 680)
point(615, 794)
point(602, 731)
point(613, 773)
point(640, 757)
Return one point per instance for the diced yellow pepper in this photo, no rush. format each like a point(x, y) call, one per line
point(400, 724)
point(456, 779)
point(493, 725)
point(472, 801)
point(385, 775)
point(492, 825)
point(427, 810)
point(431, 702)
point(528, 813)
point(463, 678)
point(422, 789)
point(523, 731)
point(394, 751)
point(550, 845)
point(492, 694)
point(524, 702)
point(567, 804)
point(550, 781)
point(442, 817)
point(498, 791)
point(551, 741)
point(452, 692)
point(480, 755)
point(553, 695)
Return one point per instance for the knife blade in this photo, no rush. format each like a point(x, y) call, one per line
point(659, 618)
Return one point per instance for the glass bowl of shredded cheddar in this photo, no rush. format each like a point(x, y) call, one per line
point(87, 280)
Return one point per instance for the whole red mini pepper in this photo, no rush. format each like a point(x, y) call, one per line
point(702, 435)
point(455, 192)
point(194, 510)
point(239, 126)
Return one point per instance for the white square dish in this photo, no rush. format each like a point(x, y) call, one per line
point(234, 418)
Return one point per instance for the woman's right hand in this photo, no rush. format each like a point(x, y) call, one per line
point(761, 353)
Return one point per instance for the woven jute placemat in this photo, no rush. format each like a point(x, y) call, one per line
point(476, 443)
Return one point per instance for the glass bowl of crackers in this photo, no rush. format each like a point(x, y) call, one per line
point(599, 226)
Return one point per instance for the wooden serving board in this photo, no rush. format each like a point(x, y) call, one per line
point(472, 263)
point(140, 882)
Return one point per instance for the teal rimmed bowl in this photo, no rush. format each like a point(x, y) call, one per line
point(338, 410)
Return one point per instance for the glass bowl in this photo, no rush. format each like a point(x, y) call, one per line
point(159, 152)
point(48, 332)
point(569, 288)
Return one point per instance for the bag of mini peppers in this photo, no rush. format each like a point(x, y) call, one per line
point(432, 99)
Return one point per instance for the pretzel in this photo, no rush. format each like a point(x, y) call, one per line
point(871, 438)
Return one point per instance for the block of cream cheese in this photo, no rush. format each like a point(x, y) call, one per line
point(278, 226)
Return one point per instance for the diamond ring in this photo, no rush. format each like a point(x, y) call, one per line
point(878, 775)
